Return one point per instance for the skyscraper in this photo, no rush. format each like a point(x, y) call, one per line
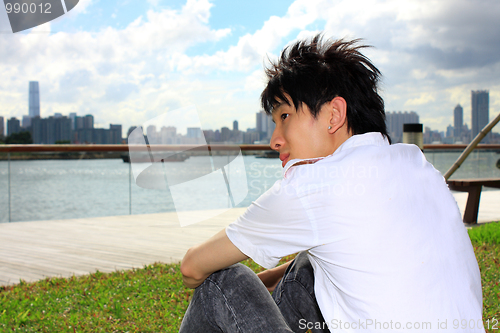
point(458, 117)
point(26, 122)
point(72, 116)
point(13, 126)
point(261, 122)
point(395, 120)
point(49, 130)
point(34, 99)
point(88, 121)
point(116, 134)
point(270, 127)
point(1, 127)
point(480, 103)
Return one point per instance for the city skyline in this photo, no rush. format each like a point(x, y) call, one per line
point(80, 129)
point(166, 55)
point(263, 124)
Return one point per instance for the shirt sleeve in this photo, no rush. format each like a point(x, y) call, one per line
point(274, 226)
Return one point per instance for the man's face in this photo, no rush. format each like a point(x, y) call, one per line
point(298, 134)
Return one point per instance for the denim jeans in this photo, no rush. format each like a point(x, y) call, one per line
point(235, 300)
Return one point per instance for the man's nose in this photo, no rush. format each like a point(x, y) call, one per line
point(277, 140)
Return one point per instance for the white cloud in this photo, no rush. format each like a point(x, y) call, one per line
point(80, 8)
point(256, 81)
point(423, 99)
point(432, 53)
point(107, 73)
point(251, 49)
point(153, 2)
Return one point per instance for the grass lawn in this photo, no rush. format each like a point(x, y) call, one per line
point(153, 299)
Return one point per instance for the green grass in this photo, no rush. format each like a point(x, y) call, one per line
point(153, 299)
point(488, 233)
point(486, 242)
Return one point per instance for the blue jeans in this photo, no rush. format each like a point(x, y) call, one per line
point(235, 300)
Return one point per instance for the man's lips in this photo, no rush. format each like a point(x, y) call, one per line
point(284, 158)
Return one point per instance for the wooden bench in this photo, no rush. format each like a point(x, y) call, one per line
point(473, 187)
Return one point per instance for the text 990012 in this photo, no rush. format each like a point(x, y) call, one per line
point(28, 8)
point(26, 14)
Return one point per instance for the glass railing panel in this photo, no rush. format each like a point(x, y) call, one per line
point(479, 164)
point(68, 186)
point(4, 188)
point(73, 185)
point(261, 174)
point(149, 193)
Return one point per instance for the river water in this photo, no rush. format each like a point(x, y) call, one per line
point(66, 189)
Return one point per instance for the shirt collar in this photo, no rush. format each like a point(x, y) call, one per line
point(366, 139)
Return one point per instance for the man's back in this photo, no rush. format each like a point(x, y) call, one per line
point(383, 233)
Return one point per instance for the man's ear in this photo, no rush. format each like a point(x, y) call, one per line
point(337, 108)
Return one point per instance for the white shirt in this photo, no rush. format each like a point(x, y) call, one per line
point(383, 234)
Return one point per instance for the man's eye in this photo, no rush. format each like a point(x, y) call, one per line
point(284, 116)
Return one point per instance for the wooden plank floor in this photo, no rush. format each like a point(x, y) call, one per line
point(35, 250)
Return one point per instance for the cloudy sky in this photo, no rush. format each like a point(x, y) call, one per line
point(128, 61)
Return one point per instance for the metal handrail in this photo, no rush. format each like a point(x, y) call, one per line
point(123, 147)
point(244, 147)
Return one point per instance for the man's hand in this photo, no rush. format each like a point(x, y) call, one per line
point(271, 277)
point(202, 260)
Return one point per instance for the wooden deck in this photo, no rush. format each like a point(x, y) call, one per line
point(35, 250)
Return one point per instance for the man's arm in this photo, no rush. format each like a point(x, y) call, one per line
point(271, 277)
point(202, 260)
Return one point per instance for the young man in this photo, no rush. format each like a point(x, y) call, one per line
point(380, 239)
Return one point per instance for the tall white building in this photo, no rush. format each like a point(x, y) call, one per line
point(34, 99)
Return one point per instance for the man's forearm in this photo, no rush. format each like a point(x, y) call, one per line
point(191, 276)
point(202, 260)
point(271, 277)
point(282, 268)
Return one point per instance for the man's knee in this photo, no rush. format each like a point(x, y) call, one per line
point(231, 275)
point(235, 281)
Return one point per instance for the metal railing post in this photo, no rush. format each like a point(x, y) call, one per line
point(130, 188)
point(8, 186)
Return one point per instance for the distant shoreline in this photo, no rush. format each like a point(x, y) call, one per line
point(85, 155)
point(61, 156)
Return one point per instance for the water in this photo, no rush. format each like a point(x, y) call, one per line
point(67, 189)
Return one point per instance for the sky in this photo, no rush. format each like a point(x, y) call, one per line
point(129, 61)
